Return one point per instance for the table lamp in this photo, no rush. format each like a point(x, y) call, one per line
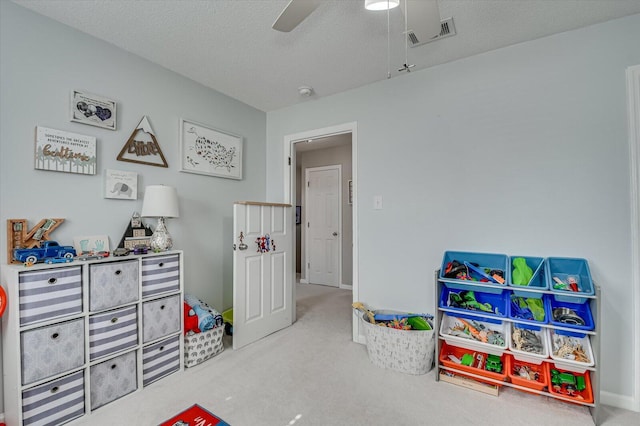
point(160, 201)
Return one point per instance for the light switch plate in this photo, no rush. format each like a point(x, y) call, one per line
point(377, 202)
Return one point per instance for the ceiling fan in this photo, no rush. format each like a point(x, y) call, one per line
point(422, 16)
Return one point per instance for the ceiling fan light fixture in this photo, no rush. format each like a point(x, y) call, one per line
point(381, 4)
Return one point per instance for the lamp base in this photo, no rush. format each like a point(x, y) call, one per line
point(161, 239)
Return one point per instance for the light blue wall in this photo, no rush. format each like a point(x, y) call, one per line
point(523, 151)
point(41, 61)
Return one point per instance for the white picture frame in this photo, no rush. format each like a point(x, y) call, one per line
point(94, 110)
point(208, 151)
point(120, 184)
point(60, 151)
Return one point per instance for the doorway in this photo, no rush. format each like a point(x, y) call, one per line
point(317, 148)
point(322, 228)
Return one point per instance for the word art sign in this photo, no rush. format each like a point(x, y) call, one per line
point(61, 151)
point(142, 147)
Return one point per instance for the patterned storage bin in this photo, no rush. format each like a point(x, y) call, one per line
point(407, 351)
point(199, 347)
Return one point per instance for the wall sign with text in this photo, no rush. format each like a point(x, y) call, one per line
point(142, 146)
point(61, 151)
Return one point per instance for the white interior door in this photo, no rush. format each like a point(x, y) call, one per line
point(262, 284)
point(323, 213)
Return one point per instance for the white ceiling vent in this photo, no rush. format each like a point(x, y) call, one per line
point(447, 29)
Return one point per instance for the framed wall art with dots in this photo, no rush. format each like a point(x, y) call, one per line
point(208, 151)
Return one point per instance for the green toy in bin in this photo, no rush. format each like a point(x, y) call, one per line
point(522, 273)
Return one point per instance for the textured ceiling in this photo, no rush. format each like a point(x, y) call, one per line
point(229, 46)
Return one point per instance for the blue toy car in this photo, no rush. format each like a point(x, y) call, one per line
point(51, 260)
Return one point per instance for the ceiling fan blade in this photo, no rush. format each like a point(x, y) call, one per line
point(295, 12)
point(423, 18)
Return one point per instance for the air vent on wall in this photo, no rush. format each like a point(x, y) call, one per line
point(447, 29)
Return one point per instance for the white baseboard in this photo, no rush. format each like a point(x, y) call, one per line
point(304, 281)
point(346, 286)
point(619, 401)
point(361, 339)
point(2, 417)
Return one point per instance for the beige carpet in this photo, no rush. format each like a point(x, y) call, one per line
point(313, 374)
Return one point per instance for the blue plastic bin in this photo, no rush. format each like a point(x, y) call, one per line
point(538, 280)
point(496, 300)
point(513, 314)
point(581, 309)
point(564, 268)
point(483, 260)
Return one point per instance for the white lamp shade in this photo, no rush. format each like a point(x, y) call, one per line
point(381, 4)
point(160, 201)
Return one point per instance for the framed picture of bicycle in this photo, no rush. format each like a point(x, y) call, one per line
point(208, 151)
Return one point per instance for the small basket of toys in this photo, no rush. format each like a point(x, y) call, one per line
point(528, 273)
point(464, 270)
point(203, 330)
point(479, 363)
point(469, 332)
point(467, 301)
point(398, 341)
point(569, 277)
point(569, 385)
point(527, 375)
point(571, 351)
point(528, 343)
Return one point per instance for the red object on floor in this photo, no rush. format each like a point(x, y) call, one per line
point(195, 415)
point(190, 319)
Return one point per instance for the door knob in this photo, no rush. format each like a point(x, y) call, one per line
point(335, 234)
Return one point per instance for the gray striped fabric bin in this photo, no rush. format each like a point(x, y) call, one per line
point(50, 293)
point(160, 274)
point(160, 359)
point(56, 402)
point(113, 331)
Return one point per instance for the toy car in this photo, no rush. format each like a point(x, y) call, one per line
point(493, 363)
point(50, 260)
point(140, 249)
point(90, 255)
point(121, 251)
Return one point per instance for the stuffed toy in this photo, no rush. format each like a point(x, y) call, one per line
point(190, 319)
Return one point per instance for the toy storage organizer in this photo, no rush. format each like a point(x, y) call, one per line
point(80, 335)
point(541, 370)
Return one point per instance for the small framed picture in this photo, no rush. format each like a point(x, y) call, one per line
point(120, 184)
point(92, 109)
point(208, 151)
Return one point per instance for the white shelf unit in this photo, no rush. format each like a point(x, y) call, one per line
point(593, 335)
point(80, 335)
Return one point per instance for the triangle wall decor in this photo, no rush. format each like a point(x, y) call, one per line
point(142, 147)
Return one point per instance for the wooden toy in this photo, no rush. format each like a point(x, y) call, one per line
point(19, 237)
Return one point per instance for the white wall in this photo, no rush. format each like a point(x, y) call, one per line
point(522, 150)
point(41, 61)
